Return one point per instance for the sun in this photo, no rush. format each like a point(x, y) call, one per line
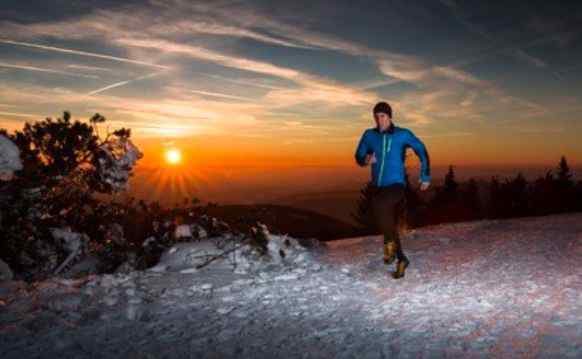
point(173, 156)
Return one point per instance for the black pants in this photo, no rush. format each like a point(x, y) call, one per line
point(388, 205)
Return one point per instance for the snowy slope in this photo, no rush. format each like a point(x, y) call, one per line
point(505, 289)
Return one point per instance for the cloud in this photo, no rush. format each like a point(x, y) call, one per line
point(17, 114)
point(40, 69)
point(81, 53)
point(221, 95)
point(123, 83)
point(208, 32)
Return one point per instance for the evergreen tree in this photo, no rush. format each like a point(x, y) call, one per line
point(471, 200)
point(451, 185)
point(517, 193)
point(564, 175)
point(543, 198)
point(495, 200)
point(564, 187)
point(410, 216)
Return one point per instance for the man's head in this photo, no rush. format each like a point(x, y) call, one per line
point(383, 115)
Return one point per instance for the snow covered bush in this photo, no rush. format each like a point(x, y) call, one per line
point(9, 158)
point(115, 160)
point(62, 164)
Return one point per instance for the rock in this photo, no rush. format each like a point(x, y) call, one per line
point(183, 231)
point(289, 276)
point(189, 255)
point(189, 271)
point(158, 269)
point(135, 301)
point(88, 265)
point(65, 302)
point(5, 271)
point(133, 312)
point(224, 310)
point(107, 281)
point(110, 300)
point(10, 288)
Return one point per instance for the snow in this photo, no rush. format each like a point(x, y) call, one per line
point(498, 288)
point(117, 158)
point(9, 158)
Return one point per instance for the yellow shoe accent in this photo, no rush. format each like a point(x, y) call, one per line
point(400, 268)
point(389, 252)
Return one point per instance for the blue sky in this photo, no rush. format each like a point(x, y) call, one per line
point(486, 76)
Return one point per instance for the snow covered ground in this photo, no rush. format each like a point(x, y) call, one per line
point(501, 288)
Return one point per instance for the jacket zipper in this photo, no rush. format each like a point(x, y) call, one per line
point(384, 155)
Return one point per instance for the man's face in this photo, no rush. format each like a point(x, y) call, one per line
point(382, 119)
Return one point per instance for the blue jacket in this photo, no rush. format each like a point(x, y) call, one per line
point(390, 148)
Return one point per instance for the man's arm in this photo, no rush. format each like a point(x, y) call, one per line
point(362, 150)
point(420, 150)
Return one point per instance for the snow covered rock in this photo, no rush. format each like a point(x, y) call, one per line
point(183, 256)
point(262, 251)
point(183, 231)
point(86, 266)
point(5, 271)
point(72, 242)
point(9, 158)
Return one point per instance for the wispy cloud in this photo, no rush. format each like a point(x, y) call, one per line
point(221, 95)
point(89, 68)
point(123, 83)
point(80, 53)
point(18, 114)
point(40, 69)
point(188, 36)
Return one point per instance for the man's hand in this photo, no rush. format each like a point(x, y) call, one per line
point(424, 185)
point(370, 158)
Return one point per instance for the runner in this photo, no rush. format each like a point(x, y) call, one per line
point(384, 147)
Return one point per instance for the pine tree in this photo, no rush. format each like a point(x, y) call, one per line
point(564, 175)
point(517, 190)
point(472, 200)
point(565, 187)
point(495, 202)
point(451, 185)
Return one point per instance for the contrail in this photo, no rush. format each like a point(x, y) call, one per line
point(81, 53)
point(39, 69)
point(123, 83)
point(222, 95)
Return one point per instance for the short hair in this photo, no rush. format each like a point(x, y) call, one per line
point(383, 107)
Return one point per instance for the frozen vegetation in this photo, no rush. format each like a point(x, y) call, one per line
point(9, 158)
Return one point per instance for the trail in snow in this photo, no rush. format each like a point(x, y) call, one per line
point(505, 288)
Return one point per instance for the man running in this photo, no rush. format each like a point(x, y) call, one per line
point(384, 147)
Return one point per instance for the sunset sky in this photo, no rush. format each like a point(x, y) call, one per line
point(292, 83)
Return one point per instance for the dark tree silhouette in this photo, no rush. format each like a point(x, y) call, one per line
point(495, 206)
point(471, 200)
point(543, 198)
point(565, 186)
point(564, 175)
point(516, 195)
point(412, 215)
point(451, 186)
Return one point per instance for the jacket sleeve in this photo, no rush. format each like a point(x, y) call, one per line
point(422, 153)
point(362, 149)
